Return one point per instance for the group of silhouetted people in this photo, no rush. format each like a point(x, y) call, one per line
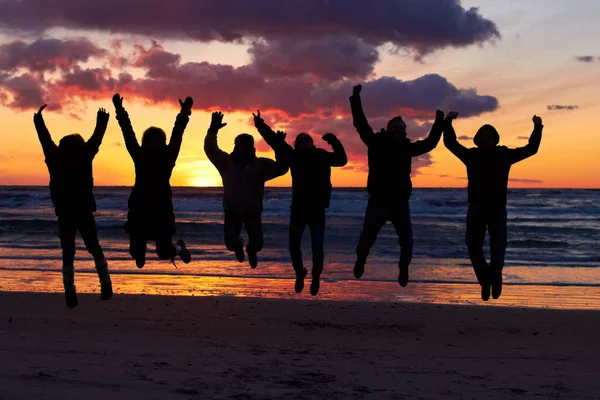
point(150, 216)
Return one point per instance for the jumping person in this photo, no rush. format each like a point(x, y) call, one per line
point(311, 193)
point(488, 166)
point(389, 186)
point(244, 176)
point(150, 216)
point(71, 190)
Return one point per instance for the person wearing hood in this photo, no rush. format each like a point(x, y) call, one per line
point(150, 216)
point(244, 176)
point(488, 166)
point(389, 186)
point(311, 193)
point(71, 190)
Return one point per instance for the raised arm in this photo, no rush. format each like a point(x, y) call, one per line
point(358, 117)
point(521, 153)
point(216, 156)
point(271, 169)
point(95, 140)
point(337, 158)
point(180, 124)
point(275, 140)
point(48, 145)
point(131, 142)
point(450, 141)
point(431, 141)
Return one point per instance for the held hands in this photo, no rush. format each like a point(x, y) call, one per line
point(117, 101)
point(330, 138)
point(186, 106)
point(102, 117)
point(537, 120)
point(38, 115)
point(451, 115)
point(356, 90)
point(216, 122)
point(439, 114)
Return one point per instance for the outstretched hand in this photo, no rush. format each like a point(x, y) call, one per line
point(103, 116)
point(330, 138)
point(356, 90)
point(281, 135)
point(216, 122)
point(439, 114)
point(537, 120)
point(452, 115)
point(186, 106)
point(39, 113)
point(117, 101)
point(257, 117)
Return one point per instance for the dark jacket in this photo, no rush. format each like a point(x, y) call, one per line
point(389, 158)
point(488, 169)
point(150, 203)
point(243, 183)
point(71, 179)
point(311, 169)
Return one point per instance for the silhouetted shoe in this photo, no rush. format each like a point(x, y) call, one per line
point(252, 259)
point(299, 285)
point(359, 266)
point(485, 292)
point(315, 285)
point(106, 291)
point(71, 298)
point(184, 253)
point(497, 285)
point(403, 276)
point(140, 262)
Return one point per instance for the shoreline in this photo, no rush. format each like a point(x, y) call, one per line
point(513, 296)
point(169, 347)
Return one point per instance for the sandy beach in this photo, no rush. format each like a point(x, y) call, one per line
point(158, 347)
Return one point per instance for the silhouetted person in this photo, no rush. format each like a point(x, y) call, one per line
point(488, 166)
point(150, 216)
point(390, 155)
point(244, 176)
point(311, 193)
point(71, 189)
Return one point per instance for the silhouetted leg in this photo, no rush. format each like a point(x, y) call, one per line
point(475, 237)
point(297, 224)
point(317, 237)
point(233, 227)
point(498, 232)
point(376, 216)
point(89, 234)
point(67, 227)
point(137, 249)
point(402, 224)
point(253, 224)
point(165, 250)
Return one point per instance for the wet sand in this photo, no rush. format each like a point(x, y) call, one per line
point(161, 347)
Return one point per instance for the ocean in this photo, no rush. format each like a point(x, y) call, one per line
point(553, 239)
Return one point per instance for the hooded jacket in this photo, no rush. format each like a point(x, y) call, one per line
point(243, 180)
point(310, 168)
point(488, 169)
point(71, 178)
point(150, 203)
point(390, 158)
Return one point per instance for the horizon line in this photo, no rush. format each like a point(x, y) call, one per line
point(335, 187)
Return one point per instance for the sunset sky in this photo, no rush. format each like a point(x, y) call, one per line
point(297, 60)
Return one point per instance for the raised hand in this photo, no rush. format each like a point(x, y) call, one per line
point(281, 135)
point(356, 90)
point(257, 117)
point(102, 116)
point(186, 106)
point(39, 113)
point(537, 120)
point(439, 114)
point(216, 122)
point(452, 115)
point(330, 137)
point(117, 101)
